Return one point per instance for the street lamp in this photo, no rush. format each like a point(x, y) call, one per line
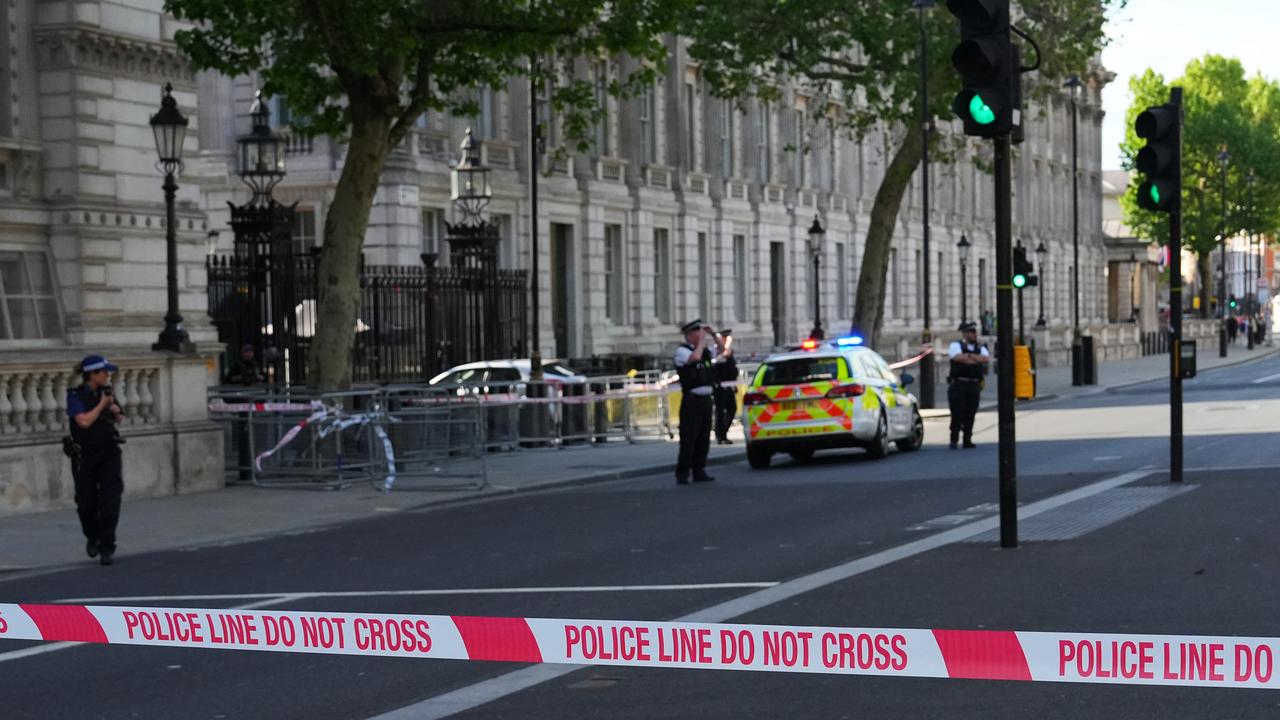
point(261, 153)
point(964, 246)
point(817, 240)
point(1077, 346)
point(1042, 252)
point(926, 334)
point(1250, 291)
point(1224, 159)
point(170, 129)
point(471, 190)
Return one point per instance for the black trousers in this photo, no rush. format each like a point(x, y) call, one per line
point(963, 398)
point(695, 434)
point(726, 400)
point(99, 485)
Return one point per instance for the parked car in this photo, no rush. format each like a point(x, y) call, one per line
point(828, 396)
point(492, 376)
point(526, 424)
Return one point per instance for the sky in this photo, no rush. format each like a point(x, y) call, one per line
point(1165, 34)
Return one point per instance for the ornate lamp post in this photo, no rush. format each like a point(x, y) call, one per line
point(1042, 252)
point(261, 154)
point(817, 242)
point(473, 243)
point(1224, 159)
point(964, 246)
point(170, 129)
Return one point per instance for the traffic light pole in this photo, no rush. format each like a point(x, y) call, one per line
point(926, 336)
point(1175, 305)
point(1004, 343)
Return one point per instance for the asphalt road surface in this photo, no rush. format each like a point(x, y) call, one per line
point(1140, 555)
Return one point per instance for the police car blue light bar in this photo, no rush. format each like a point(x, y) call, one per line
point(849, 341)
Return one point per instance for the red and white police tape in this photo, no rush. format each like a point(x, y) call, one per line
point(1203, 661)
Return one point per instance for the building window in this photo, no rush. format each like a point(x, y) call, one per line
point(28, 306)
point(728, 115)
point(613, 272)
point(602, 103)
point(662, 275)
point(704, 277)
point(281, 116)
point(764, 142)
point(842, 282)
point(506, 244)
point(982, 285)
point(941, 271)
point(304, 230)
point(648, 128)
point(482, 123)
point(895, 279)
point(833, 139)
point(919, 284)
point(797, 140)
point(432, 231)
point(691, 125)
point(740, 281)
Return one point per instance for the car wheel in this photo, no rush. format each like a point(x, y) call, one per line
point(801, 455)
point(758, 458)
point(915, 440)
point(879, 446)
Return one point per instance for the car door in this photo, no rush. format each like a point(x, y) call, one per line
point(873, 400)
point(896, 399)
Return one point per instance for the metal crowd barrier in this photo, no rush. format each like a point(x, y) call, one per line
point(429, 437)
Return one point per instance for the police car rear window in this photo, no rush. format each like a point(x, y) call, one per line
point(801, 370)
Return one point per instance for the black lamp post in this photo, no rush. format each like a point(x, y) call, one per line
point(473, 244)
point(1042, 252)
point(1224, 159)
point(1250, 292)
point(1133, 286)
point(1077, 346)
point(964, 246)
point(926, 334)
point(170, 129)
point(817, 241)
point(261, 153)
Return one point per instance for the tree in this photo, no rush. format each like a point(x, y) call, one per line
point(864, 57)
point(365, 70)
point(1221, 107)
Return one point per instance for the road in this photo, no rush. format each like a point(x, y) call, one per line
point(1138, 555)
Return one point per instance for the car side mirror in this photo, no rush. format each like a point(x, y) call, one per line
point(906, 379)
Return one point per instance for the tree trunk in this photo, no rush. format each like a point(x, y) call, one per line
point(344, 229)
point(1206, 283)
point(868, 313)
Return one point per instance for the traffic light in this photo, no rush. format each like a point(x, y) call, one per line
point(1233, 302)
point(1021, 268)
point(988, 71)
point(1161, 159)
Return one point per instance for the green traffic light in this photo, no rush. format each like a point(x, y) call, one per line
point(1155, 194)
point(1019, 281)
point(980, 111)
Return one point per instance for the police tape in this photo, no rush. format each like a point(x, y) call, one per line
point(1128, 659)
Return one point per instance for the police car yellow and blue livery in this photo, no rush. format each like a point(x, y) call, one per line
point(834, 395)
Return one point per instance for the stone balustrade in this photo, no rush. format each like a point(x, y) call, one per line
point(33, 399)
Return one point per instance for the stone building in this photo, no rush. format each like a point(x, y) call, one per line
point(687, 205)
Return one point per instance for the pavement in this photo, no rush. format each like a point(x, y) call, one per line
point(42, 542)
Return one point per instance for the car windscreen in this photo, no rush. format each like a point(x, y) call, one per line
point(801, 370)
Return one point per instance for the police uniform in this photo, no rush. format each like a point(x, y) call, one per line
point(95, 465)
point(726, 398)
point(965, 387)
point(697, 382)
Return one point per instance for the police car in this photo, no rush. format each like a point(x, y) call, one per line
point(834, 395)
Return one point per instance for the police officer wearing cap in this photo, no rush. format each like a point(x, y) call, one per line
point(695, 364)
point(969, 360)
point(94, 449)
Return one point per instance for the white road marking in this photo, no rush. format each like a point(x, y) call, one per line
point(1102, 458)
point(442, 591)
point(1268, 378)
point(472, 696)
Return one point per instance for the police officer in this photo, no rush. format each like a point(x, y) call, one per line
point(694, 365)
point(95, 455)
point(969, 360)
point(726, 390)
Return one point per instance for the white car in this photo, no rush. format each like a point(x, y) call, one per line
point(500, 375)
point(834, 395)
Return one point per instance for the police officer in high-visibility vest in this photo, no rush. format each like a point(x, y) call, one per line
point(969, 360)
point(695, 365)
